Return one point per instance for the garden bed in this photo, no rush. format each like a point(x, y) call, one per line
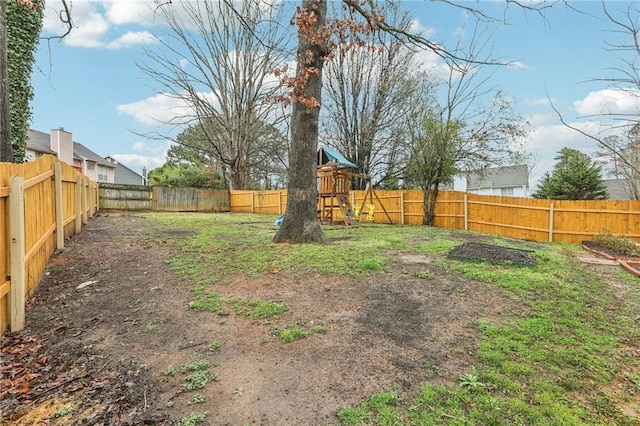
point(493, 254)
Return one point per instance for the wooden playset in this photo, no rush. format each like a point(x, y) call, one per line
point(334, 181)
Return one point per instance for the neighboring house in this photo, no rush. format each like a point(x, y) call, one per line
point(618, 189)
point(123, 174)
point(512, 181)
point(60, 143)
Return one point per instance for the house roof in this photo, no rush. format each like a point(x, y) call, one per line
point(116, 163)
point(39, 142)
point(500, 177)
point(617, 189)
point(82, 152)
point(327, 155)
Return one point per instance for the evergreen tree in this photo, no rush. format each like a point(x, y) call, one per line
point(575, 177)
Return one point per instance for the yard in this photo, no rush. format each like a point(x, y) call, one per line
point(199, 319)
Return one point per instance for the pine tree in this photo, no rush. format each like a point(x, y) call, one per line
point(575, 177)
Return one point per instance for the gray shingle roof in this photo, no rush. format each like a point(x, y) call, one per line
point(500, 177)
point(80, 151)
point(617, 189)
point(39, 142)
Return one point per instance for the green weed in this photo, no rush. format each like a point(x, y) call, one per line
point(195, 381)
point(292, 333)
point(425, 275)
point(195, 366)
point(62, 412)
point(170, 371)
point(296, 331)
point(193, 419)
point(196, 399)
point(214, 346)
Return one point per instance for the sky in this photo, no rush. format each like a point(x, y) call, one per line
point(89, 83)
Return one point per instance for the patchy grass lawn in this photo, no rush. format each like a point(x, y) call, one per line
point(563, 358)
point(201, 319)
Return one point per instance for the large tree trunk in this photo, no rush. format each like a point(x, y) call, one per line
point(429, 204)
point(301, 224)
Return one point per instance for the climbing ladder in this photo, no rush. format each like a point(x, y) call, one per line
point(327, 207)
point(347, 210)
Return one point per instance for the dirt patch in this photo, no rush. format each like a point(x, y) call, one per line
point(101, 350)
point(494, 254)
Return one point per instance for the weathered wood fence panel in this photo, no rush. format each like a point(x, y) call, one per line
point(174, 199)
point(158, 198)
point(41, 203)
point(125, 197)
point(213, 200)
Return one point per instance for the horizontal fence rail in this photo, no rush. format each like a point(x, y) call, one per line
point(523, 218)
point(42, 203)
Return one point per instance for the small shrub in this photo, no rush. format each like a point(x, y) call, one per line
point(617, 243)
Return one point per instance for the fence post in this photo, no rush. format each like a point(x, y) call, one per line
point(466, 212)
point(84, 180)
point(551, 222)
point(252, 203)
point(279, 202)
point(78, 204)
point(91, 199)
point(16, 215)
point(402, 207)
point(57, 173)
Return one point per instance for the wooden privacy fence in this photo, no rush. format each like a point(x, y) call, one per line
point(41, 203)
point(161, 198)
point(522, 218)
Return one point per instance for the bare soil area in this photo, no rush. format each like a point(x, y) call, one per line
point(110, 317)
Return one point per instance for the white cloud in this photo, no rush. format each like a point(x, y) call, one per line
point(609, 101)
point(132, 39)
point(163, 109)
point(417, 28)
point(145, 154)
point(129, 12)
point(154, 110)
point(94, 28)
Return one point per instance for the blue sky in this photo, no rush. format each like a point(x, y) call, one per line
point(90, 85)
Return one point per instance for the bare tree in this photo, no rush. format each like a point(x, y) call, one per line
point(627, 147)
point(218, 60)
point(317, 41)
point(366, 97)
point(471, 128)
point(615, 126)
